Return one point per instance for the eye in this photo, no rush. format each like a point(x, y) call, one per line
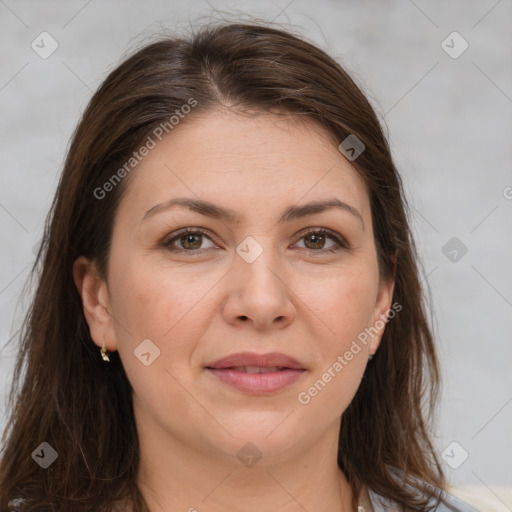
point(317, 238)
point(190, 240)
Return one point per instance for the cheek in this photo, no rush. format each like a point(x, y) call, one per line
point(169, 308)
point(166, 308)
point(342, 304)
point(344, 309)
point(341, 355)
point(331, 391)
point(159, 302)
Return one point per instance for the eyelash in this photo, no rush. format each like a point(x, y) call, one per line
point(340, 242)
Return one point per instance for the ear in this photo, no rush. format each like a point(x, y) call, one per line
point(95, 302)
point(383, 308)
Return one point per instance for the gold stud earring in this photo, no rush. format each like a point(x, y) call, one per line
point(104, 353)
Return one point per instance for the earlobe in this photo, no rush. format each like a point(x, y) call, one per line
point(95, 302)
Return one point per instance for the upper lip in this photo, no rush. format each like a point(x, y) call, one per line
point(259, 360)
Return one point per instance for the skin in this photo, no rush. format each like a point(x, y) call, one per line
point(309, 305)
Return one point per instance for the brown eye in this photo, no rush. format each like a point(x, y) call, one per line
point(315, 241)
point(188, 240)
point(191, 241)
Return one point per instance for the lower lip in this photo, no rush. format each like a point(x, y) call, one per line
point(258, 383)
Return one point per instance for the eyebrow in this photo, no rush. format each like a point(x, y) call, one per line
point(218, 212)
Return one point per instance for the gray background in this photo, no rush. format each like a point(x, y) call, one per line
point(450, 127)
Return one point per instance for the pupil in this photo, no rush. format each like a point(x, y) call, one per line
point(319, 238)
point(189, 240)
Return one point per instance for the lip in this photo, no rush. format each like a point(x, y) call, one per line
point(257, 383)
point(253, 359)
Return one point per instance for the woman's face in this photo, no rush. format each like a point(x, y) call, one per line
point(257, 281)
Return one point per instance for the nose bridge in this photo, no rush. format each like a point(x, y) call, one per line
point(260, 290)
point(256, 259)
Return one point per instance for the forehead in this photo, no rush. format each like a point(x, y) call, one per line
point(227, 157)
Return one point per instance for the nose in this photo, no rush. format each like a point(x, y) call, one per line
point(260, 293)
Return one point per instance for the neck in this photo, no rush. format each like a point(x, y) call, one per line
point(176, 476)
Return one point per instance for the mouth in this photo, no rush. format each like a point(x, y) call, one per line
point(257, 374)
point(253, 369)
point(258, 381)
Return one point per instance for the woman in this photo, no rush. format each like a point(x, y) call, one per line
point(228, 313)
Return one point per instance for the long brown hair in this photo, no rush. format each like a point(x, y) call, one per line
point(65, 395)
